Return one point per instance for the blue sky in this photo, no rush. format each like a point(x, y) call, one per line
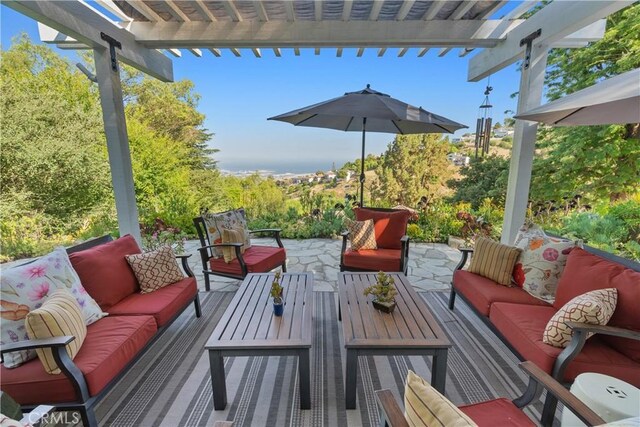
point(238, 94)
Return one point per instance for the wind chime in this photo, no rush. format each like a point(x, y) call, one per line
point(483, 124)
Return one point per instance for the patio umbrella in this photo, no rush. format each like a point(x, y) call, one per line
point(372, 111)
point(612, 101)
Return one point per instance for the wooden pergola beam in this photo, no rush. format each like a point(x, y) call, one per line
point(556, 21)
point(80, 22)
point(440, 33)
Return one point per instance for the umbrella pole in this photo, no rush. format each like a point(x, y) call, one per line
point(364, 124)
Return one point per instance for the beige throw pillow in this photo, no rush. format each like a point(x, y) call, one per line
point(155, 269)
point(60, 315)
point(595, 307)
point(232, 235)
point(362, 234)
point(494, 260)
point(425, 406)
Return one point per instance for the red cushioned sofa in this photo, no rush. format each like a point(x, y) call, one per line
point(112, 343)
point(520, 319)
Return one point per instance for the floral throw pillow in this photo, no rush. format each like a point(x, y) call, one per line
point(541, 262)
point(27, 287)
point(232, 219)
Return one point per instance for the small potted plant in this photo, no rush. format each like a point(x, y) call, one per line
point(384, 292)
point(276, 294)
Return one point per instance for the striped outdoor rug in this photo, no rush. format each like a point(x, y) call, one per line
point(170, 385)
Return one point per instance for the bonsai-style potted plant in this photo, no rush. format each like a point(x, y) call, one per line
point(276, 294)
point(384, 292)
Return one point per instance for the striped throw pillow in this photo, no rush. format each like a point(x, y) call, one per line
point(494, 261)
point(60, 315)
point(362, 234)
point(424, 406)
point(232, 235)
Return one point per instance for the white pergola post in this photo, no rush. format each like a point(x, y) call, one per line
point(115, 129)
point(524, 143)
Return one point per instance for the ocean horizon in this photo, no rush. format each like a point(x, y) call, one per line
point(277, 167)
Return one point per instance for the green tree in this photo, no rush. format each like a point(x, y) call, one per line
point(413, 166)
point(601, 161)
point(52, 144)
point(483, 178)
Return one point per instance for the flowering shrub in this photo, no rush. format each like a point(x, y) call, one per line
point(159, 234)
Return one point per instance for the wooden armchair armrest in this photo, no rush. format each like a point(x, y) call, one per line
point(390, 411)
point(274, 231)
point(185, 264)
point(606, 330)
point(538, 377)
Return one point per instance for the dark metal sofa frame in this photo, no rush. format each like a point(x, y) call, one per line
point(206, 252)
point(581, 330)
point(404, 255)
point(85, 403)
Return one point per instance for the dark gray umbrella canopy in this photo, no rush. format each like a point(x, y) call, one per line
point(372, 111)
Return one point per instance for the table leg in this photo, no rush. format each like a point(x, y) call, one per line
point(439, 370)
point(351, 379)
point(304, 374)
point(216, 363)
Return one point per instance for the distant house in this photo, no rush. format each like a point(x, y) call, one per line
point(458, 159)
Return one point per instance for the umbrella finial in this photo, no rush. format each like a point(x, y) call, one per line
point(368, 86)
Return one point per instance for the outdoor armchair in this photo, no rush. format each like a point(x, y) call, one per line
point(255, 259)
point(500, 411)
point(392, 253)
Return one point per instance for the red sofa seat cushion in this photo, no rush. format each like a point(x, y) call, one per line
point(111, 343)
point(389, 226)
point(499, 412)
point(586, 272)
point(104, 271)
point(482, 292)
point(259, 259)
point(163, 304)
point(523, 325)
point(373, 259)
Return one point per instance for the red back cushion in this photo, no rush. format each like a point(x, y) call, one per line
point(585, 272)
point(104, 271)
point(389, 226)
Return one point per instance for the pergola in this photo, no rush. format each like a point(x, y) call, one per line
point(145, 28)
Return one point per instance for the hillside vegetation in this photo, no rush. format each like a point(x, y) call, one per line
point(56, 184)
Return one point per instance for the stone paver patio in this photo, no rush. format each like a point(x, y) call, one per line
point(430, 264)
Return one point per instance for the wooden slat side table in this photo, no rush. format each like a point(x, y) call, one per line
point(249, 328)
point(410, 330)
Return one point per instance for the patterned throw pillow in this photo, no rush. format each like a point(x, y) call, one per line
point(494, 261)
point(595, 308)
point(235, 235)
point(425, 406)
point(59, 316)
point(156, 269)
point(26, 287)
point(541, 262)
point(362, 234)
point(216, 222)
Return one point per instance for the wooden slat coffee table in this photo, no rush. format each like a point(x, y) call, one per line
point(410, 330)
point(249, 328)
